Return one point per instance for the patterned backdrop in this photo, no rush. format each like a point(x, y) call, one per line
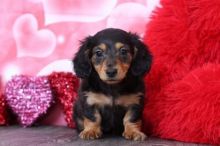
point(41, 36)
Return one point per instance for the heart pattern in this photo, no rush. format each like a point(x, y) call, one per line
point(29, 40)
point(136, 18)
point(28, 97)
point(46, 34)
point(77, 10)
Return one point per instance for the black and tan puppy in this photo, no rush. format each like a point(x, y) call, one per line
point(112, 64)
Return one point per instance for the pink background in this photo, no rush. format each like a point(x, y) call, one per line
point(41, 36)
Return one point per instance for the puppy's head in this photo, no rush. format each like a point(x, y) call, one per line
point(112, 53)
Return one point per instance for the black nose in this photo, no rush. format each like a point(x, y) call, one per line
point(111, 73)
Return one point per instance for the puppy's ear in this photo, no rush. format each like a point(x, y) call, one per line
point(81, 62)
point(142, 60)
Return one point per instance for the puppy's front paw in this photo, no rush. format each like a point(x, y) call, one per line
point(134, 135)
point(90, 134)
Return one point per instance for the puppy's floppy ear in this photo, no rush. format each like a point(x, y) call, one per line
point(82, 65)
point(142, 60)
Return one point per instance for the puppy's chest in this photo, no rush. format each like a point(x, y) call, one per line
point(113, 108)
point(102, 100)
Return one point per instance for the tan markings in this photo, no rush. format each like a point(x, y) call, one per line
point(92, 130)
point(118, 45)
point(122, 69)
point(124, 66)
point(102, 46)
point(98, 99)
point(127, 100)
point(132, 131)
point(100, 69)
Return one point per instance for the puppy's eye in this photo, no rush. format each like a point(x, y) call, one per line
point(99, 53)
point(123, 51)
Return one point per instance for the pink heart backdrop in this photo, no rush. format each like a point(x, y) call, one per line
point(41, 36)
point(36, 33)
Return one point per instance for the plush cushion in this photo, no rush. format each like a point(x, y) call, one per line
point(183, 87)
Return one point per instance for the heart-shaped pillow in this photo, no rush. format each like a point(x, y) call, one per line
point(29, 97)
point(64, 86)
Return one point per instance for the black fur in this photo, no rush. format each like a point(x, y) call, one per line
point(82, 65)
point(112, 116)
point(143, 58)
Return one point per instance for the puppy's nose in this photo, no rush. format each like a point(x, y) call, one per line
point(111, 73)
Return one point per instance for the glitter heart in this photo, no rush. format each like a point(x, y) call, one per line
point(2, 109)
point(28, 97)
point(64, 86)
point(29, 40)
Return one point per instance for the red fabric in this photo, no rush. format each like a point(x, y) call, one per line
point(2, 108)
point(183, 87)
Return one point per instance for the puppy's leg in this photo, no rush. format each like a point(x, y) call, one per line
point(132, 124)
point(91, 124)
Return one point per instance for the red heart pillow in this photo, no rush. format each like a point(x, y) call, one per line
point(2, 108)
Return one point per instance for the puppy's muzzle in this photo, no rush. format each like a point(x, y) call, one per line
point(111, 73)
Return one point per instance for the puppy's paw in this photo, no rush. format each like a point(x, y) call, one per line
point(90, 134)
point(134, 135)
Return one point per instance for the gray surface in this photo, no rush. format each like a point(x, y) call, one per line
point(62, 136)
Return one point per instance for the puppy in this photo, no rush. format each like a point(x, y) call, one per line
point(111, 64)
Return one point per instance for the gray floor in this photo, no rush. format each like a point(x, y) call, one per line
point(62, 136)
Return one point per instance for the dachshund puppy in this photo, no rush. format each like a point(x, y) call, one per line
point(111, 64)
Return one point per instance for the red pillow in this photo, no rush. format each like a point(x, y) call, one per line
point(183, 87)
